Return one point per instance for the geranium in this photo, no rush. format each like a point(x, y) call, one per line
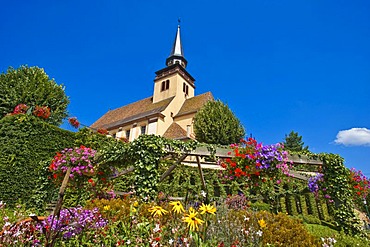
point(359, 183)
point(74, 122)
point(103, 131)
point(20, 109)
point(83, 169)
point(254, 161)
point(42, 111)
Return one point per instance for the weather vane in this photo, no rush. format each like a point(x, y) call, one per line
point(178, 20)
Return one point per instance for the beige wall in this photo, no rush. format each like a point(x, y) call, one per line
point(175, 88)
point(135, 130)
point(186, 120)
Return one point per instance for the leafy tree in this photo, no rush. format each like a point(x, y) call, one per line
point(33, 87)
point(293, 142)
point(215, 123)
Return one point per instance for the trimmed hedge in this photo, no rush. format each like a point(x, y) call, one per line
point(27, 143)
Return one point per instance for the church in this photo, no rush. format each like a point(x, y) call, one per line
point(169, 112)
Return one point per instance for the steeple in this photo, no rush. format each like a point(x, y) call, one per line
point(177, 53)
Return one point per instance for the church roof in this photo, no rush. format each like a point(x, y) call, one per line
point(193, 104)
point(128, 113)
point(175, 132)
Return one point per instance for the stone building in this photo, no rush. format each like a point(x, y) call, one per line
point(169, 112)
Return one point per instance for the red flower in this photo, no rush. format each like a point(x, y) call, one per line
point(103, 131)
point(20, 109)
point(238, 172)
point(42, 111)
point(74, 122)
point(257, 173)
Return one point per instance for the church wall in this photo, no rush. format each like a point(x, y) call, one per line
point(185, 121)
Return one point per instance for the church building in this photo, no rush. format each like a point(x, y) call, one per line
point(169, 112)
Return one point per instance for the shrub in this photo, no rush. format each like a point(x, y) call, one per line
point(26, 141)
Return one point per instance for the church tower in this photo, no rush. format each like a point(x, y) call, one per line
point(174, 80)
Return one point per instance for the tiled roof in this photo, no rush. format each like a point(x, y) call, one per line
point(175, 132)
point(193, 104)
point(131, 112)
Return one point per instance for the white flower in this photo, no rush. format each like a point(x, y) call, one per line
point(185, 240)
point(154, 244)
point(157, 228)
point(204, 194)
point(170, 241)
point(259, 233)
point(246, 218)
point(128, 242)
point(31, 215)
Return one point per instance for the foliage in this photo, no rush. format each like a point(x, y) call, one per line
point(337, 185)
point(33, 87)
point(293, 142)
point(324, 232)
point(250, 228)
point(25, 142)
point(215, 123)
point(144, 155)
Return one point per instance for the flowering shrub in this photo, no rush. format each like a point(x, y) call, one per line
point(79, 159)
point(73, 221)
point(20, 109)
point(254, 162)
point(360, 184)
point(84, 172)
point(316, 183)
point(38, 111)
point(74, 122)
point(42, 111)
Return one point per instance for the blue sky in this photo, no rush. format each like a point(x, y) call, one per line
point(279, 65)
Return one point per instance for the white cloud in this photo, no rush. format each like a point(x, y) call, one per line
point(354, 137)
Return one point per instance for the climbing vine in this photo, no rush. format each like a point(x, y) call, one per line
point(337, 184)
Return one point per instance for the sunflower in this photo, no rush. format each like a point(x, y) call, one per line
point(177, 207)
point(157, 210)
point(192, 220)
point(208, 208)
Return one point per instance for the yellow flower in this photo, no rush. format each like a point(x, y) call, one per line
point(106, 208)
point(262, 223)
point(177, 207)
point(193, 222)
point(135, 204)
point(208, 208)
point(157, 210)
point(133, 210)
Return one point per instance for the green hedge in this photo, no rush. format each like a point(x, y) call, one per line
point(26, 144)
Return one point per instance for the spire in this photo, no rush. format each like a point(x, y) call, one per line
point(177, 53)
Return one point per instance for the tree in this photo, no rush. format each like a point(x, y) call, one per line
point(215, 123)
point(293, 142)
point(33, 87)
